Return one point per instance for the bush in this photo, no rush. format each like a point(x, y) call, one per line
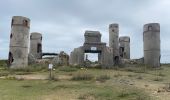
point(82, 76)
point(103, 78)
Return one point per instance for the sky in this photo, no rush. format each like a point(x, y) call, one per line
point(63, 22)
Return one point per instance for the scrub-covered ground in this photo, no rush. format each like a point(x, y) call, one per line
point(135, 82)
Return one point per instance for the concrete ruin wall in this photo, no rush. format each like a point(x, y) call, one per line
point(36, 45)
point(61, 59)
point(19, 39)
point(151, 39)
point(92, 41)
point(124, 47)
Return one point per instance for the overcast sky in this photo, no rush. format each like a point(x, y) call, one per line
point(63, 22)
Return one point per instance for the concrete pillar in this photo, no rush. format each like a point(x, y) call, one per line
point(151, 39)
point(107, 56)
point(80, 56)
point(124, 47)
point(114, 38)
point(36, 45)
point(19, 39)
point(99, 58)
point(71, 58)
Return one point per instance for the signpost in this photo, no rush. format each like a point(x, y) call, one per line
point(50, 67)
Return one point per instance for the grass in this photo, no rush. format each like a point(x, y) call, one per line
point(82, 76)
point(67, 69)
point(84, 83)
point(103, 78)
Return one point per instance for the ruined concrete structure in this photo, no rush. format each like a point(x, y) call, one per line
point(124, 47)
point(114, 41)
point(61, 59)
point(92, 44)
point(36, 45)
point(151, 39)
point(118, 50)
point(19, 39)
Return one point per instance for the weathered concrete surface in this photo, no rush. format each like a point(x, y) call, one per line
point(92, 36)
point(124, 48)
point(36, 45)
point(19, 39)
point(31, 59)
point(151, 39)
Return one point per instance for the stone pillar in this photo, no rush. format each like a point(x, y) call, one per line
point(19, 40)
point(124, 47)
point(80, 56)
point(114, 38)
point(36, 45)
point(107, 57)
point(151, 39)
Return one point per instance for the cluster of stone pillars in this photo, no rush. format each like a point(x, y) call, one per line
point(19, 42)
point(119, 47)
point(92, 44)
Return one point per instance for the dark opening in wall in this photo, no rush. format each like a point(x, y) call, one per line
point(25, 22)
point(149, 28)
point(39, 48)
point(30, 37)
point(116, 60)
point(11, 36)
point(121, 51)
point(113, 30)
point(10, 59)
